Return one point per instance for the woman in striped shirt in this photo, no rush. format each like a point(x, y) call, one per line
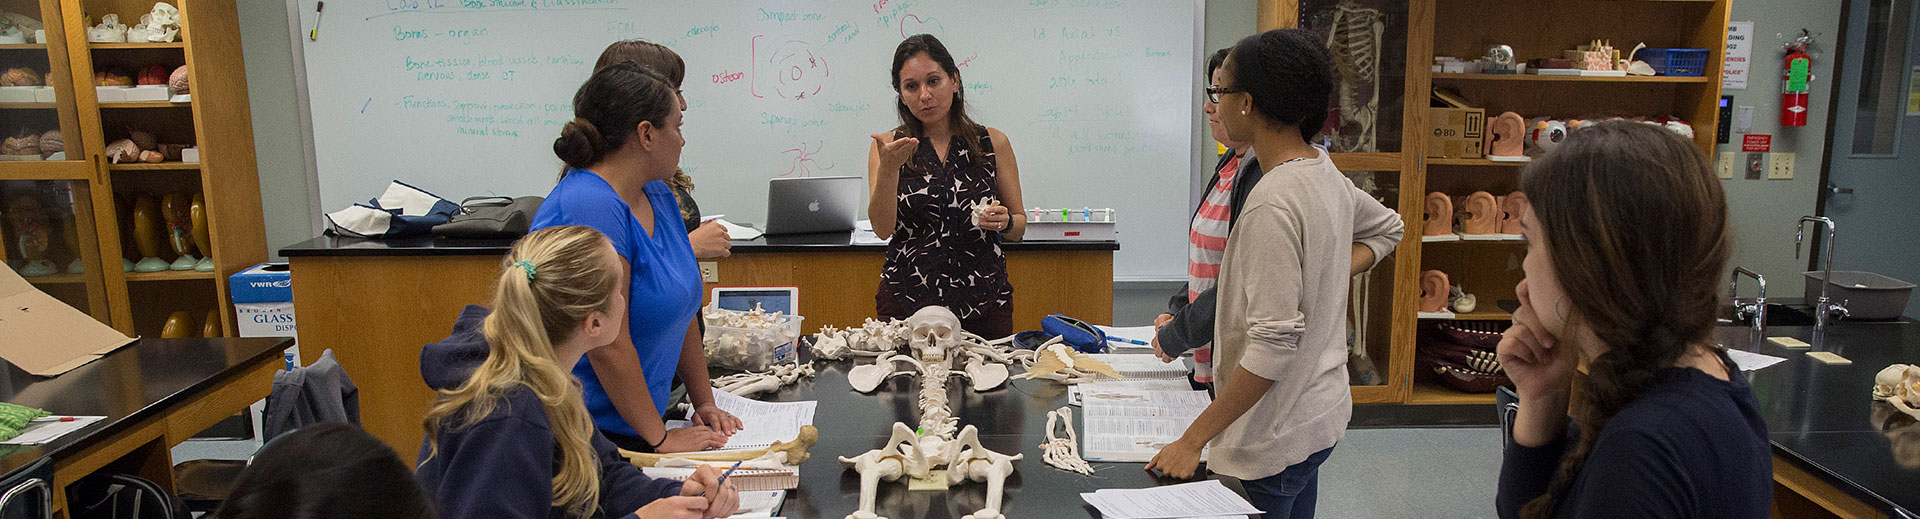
point(1188, 324)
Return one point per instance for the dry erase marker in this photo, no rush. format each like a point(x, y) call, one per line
point(318, 12)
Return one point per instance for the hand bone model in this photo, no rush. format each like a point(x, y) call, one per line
point(935, 345)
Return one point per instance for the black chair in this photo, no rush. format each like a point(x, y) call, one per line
point(29, 492)
point(122, 496)
point(1507, 403)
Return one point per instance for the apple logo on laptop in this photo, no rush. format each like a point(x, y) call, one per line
point(814, 207)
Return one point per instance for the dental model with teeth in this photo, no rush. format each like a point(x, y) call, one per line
point(939, 351)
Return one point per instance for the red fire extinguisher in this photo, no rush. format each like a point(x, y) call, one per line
point(1795, 74)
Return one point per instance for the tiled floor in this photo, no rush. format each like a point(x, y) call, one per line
point(1373, 474)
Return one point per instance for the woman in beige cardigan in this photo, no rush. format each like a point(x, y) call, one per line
point(1280, 330)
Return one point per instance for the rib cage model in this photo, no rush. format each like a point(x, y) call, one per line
point(1354, 41)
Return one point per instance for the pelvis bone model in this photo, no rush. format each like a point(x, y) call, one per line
point(1899, 385)
point(937, 346)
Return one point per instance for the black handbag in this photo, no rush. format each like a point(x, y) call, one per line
point(491, 217)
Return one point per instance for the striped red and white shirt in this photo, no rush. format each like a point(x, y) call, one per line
point(1207, 247)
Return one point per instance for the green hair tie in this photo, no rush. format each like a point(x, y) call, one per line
point(526, 265)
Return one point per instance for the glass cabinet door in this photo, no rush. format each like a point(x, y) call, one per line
point(1367, 40)
point(49, 236)
point(37, 112)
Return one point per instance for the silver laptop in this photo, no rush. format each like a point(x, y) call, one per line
point(813, 205)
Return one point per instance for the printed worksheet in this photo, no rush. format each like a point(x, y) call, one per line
point(1128, 424)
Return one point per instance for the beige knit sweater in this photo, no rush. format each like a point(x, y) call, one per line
point(1282, 312)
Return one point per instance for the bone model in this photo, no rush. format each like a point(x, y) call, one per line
point(1899, 385)
point(939, 350)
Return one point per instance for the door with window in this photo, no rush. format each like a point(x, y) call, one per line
point(1873, 173)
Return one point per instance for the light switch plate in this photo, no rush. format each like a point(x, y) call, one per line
point(709, 272)
point(1779, 166)
point(1725, 165)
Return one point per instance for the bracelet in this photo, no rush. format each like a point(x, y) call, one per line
point(656, 446)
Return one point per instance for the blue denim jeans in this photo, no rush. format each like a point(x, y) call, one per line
point(1292, 493)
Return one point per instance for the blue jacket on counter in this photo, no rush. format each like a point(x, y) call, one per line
point(502, 466)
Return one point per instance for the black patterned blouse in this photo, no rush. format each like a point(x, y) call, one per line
point(936, 256)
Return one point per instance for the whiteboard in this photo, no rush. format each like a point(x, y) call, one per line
point(465, 97)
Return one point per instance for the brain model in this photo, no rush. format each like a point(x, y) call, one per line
point(50, 143)
point(153, 75)
point(20, 76)
point(179, 80)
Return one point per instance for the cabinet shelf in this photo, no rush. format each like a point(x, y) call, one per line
point(1429, 394)
point(1474, 316)
point(27, 106)
point(58, 279)
point(23, 46)
point(145, 104)
point(1431, 161)
point(164, 166)
point(169, 275)
point(140, 45)
point(1568, 79)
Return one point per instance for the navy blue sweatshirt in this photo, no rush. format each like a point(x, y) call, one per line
point(503, 465)
point(1693, 447)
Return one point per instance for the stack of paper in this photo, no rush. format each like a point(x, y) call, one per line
point(1131, 425)
point(736, 231)
point(1119, 389)
point(1137, 366)
point(759, 504)
point(765, 422)
point(1189, 500)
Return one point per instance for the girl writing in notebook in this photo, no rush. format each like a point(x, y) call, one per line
point(508, 436)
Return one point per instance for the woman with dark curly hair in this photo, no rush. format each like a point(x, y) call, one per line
point(1280, 353)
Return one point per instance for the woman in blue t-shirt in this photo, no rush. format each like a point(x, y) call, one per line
point(623, 142)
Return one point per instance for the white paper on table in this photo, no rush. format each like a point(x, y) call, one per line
point(1199, 499)
point(863, 225)
point(1077, 393)
point(764, 422)
point(1749, 361)
point(762, 504)
point(1131, 425)
point(711, 217)
point(737, 231)
point(867, 237)
point(46, 429)
point(1142, 366)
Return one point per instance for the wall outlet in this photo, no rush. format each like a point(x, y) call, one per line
point(709, 272)
point(1779, 166)
point(1725, 165)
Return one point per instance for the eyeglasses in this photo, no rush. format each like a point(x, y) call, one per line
point(1213, 93)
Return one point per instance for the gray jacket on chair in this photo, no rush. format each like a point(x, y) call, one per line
point(320, 392)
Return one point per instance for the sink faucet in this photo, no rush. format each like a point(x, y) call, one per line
point(1758, 310)
point(1826, 311)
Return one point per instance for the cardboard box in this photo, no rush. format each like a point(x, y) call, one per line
point(46, 337)
point(263, 300)
point(110, 94)
point(1456, 133)
point(17, 94)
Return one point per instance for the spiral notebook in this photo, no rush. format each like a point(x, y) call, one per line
point(765, 422)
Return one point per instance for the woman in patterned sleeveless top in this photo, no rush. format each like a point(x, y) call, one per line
point(926, 176)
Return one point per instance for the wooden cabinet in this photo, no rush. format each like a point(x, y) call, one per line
point(104, 217)
point(1401, 38)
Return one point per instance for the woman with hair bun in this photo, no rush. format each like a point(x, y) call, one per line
point(622, 144)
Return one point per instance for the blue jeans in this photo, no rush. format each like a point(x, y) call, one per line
point(1292, 493)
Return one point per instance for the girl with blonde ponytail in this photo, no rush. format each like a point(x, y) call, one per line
point(508, 435)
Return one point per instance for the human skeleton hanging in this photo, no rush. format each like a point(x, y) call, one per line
point(937, 345)
point(1353, 39)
